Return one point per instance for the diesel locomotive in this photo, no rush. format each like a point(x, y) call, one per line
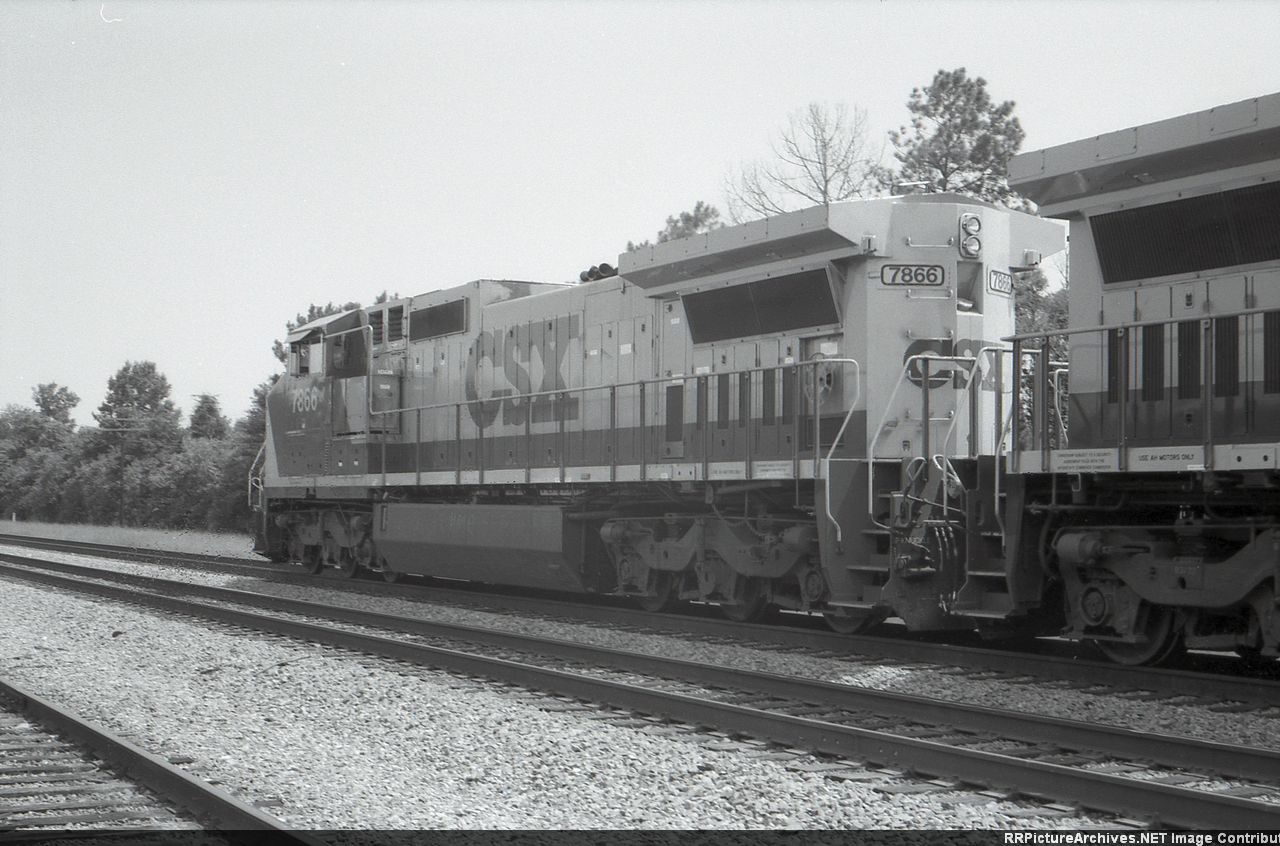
point(1151, 473)
point(830, 411)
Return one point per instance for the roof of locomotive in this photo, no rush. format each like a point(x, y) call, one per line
point(847, 229)
point(489, 290)
point(492, 290)
point(799, 233)
point(328, 325)
point(1231, 135)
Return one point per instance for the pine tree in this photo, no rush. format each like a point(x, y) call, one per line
point(207, 420)
point(959, 140)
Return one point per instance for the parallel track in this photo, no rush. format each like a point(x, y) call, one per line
point(1038, 756)
point(1220, 685)
point(67, 772)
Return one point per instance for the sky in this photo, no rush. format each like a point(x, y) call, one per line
point(178, 178)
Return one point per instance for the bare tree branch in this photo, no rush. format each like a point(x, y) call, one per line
point(821, 157)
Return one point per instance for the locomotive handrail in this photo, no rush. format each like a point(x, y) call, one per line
point(977, 355)
point(1006, 428)
point(1135, 324)
point(1208, 322)
point(1007, 425)
point(252, 477)
point(923, 358)
point(254, 483)
point(1061, 369)
point(912, 295)
point(612, 389)
point(583, 389)
point(835, 442)
point(967, 397)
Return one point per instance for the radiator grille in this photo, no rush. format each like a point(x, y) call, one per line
point(1188, 235)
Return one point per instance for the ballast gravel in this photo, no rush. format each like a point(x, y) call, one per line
point(1193, 718)
point(328, 739)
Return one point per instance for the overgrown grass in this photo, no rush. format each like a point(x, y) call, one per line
point(176, 540)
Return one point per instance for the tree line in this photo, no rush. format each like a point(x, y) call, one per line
point(141, 467)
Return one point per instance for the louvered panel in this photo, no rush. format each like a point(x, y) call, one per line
point(1188, 235)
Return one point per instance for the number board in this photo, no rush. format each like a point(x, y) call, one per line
point(1000, 282)
point(912, 274)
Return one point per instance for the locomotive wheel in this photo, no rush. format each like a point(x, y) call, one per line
point(752, 607)
point(388, 575)
point(1163, 633)
point(347, 564)
point(851, 623)
point(311, 559)
point(664, 593)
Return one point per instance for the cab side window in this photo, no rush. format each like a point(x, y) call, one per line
point(299, 359)
point(338, 353)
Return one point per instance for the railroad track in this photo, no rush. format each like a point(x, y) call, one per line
point(58, 771)
point(1173, 780)
point(133, 553)
point(1219, 682)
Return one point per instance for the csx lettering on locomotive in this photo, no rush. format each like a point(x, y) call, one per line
point(517, 368)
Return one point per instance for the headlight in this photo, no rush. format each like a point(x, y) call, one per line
point(971, 247)
point(970, 224)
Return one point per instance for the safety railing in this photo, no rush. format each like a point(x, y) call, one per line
point(558, 397)
point(253, 482)
point(1209, 354)
point(635, 400)
point(923, 364)
point(1060, 369)
point(1005, 428)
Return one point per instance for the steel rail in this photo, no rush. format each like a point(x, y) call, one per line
point(1168, 803)
point(203, 800)
point(132, 552)
point(1168, 750)
point(1214, 686)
